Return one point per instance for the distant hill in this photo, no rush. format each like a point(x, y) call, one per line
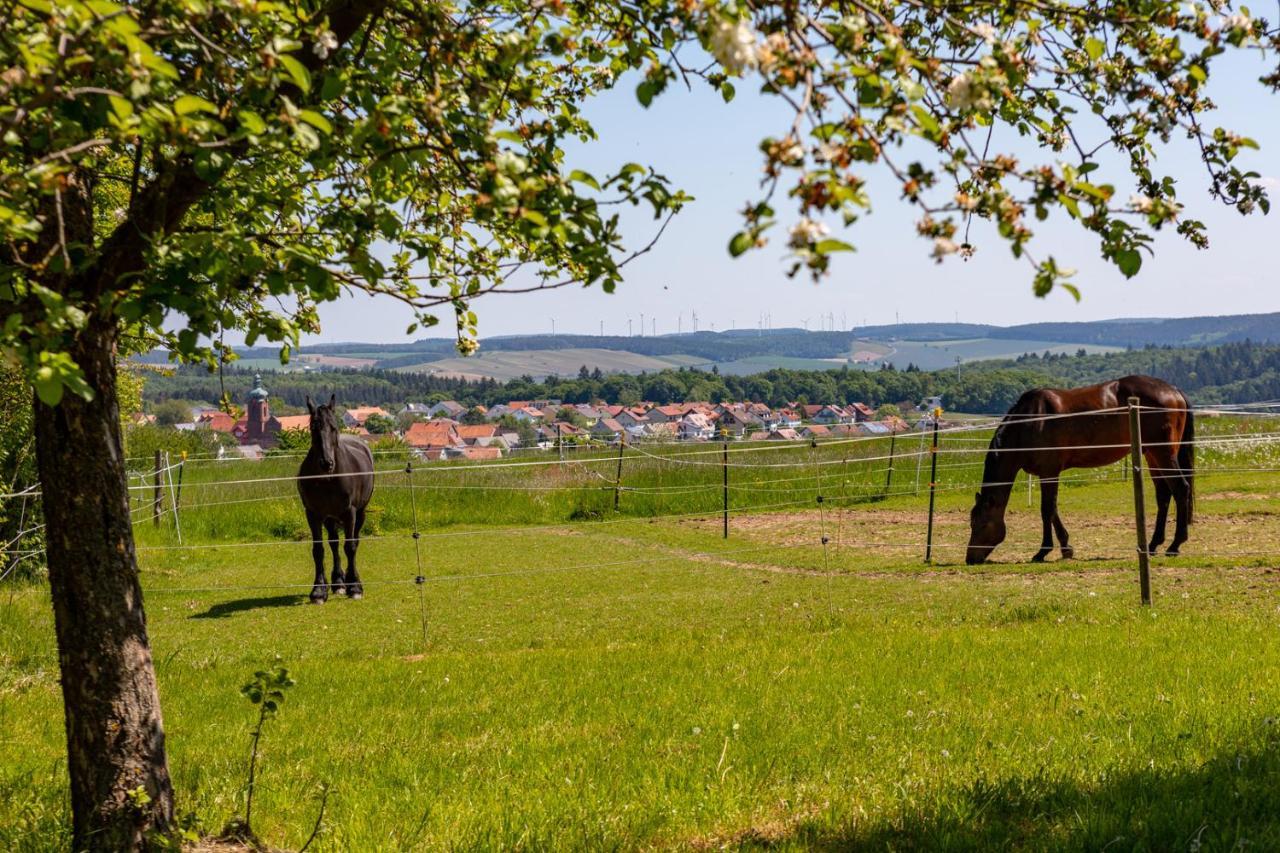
point(925, 345)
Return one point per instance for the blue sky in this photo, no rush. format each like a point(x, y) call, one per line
point(710, 150)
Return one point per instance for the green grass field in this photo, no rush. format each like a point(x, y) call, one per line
point(504, 365)
point(634, 680)
point(939, 355)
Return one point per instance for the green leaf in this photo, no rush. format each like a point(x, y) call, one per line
point(188, 104)
point(1070, 288)
point(727, 91)
point(740, 243)
point(1129, 262)
point(252, 122)
point(645, 92)
point(48, 386)
point(122, 107)
point(301, 76)
point(1094, 47)
point(584, 178)
point(316, 120)
point(826, 247)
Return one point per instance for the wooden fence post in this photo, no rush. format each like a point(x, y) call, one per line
point(933, 477)
point(182, 466)
point(1139, 505)
point(157, 496)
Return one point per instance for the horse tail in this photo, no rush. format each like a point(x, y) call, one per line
point(1187, 459)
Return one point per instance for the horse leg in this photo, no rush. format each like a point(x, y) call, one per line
point(1163, 494)
point(319, 592)
point(1048, 509)
point(338, 582)
point(1061, 529)
point(1182, 496)
point(354, 523)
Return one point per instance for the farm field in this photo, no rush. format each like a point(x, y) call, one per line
point(601, 680)
point(509, 364)
point(762, 363)
point(936, 355)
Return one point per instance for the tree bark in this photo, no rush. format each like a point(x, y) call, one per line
point(115, 736)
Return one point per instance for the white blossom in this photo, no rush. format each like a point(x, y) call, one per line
point(1141, 203)
point(1238, 21)
point(944, 246)
point(326, 43)
point(733, 43)
point(828, 152)
point(854, 22)
point(807, 231)
point(769, 50)
point(960, 92)
point(510, 163)
point(986, 32)
point(791, 152)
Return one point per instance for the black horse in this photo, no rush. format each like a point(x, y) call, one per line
point(335, 483)
point(1050, 429)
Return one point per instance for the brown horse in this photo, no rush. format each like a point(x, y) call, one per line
point(1093, 431)
point(335, 482)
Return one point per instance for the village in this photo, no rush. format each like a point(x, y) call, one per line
point(447, 429)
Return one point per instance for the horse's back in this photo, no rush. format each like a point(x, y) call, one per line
point(1099, 432)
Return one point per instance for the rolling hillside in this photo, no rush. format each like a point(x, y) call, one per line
point(542, 363)
point(929, 346)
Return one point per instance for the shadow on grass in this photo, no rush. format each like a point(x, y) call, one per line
point(223, 609)
point(1230, 802)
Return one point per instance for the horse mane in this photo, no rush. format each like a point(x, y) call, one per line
point(1030, 404)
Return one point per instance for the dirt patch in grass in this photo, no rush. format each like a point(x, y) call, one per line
point(769, 831)
point(1234, 496)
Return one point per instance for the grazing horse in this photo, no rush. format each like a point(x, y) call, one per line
point(335, 482)
point(1049, 430)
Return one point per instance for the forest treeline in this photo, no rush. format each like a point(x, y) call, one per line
point(1231, 373)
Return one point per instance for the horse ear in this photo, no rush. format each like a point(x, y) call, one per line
point(333, 400)
point(311, 407)
point(977, 497)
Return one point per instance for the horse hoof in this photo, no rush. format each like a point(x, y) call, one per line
point(1039, 557)
point(339, 590)
point(1068, 553)
point(1172, 552)
point(356, 595)
point(318, 599)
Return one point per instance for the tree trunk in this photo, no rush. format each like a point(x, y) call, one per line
point(115, 736)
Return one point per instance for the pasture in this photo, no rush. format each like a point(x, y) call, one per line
point(601, 679)
point(939, 355)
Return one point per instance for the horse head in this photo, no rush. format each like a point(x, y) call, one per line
point(986, 528)
point(324, 431)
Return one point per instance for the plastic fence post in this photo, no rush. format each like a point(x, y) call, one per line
point(419, 579)
point(725, 467)
point(157, 497)
point(888, 477)
point(617, 481)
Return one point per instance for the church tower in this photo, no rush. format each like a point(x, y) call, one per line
point(257, 413)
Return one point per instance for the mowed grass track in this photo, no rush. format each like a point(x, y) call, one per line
point(632, 683)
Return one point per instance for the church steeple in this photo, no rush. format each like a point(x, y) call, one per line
point(258, 413)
